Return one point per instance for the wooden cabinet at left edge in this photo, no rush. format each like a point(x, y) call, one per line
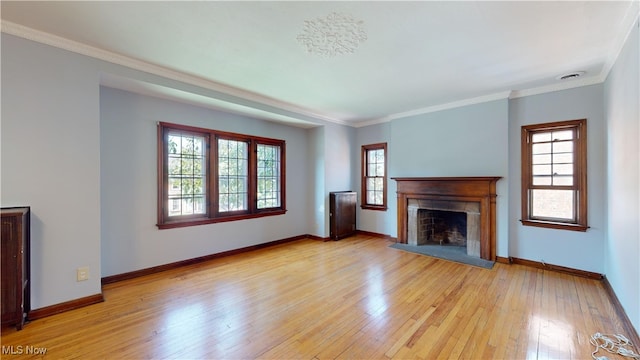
point(16, 266)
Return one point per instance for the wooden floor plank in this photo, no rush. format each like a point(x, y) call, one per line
point(350, 299)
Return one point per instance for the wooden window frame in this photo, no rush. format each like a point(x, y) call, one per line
point(363, 186)
point(212, 213)
point(579, 175)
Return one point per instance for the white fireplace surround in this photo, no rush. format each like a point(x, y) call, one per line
point(471, 208)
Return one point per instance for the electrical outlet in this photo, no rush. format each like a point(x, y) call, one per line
point(82, 273)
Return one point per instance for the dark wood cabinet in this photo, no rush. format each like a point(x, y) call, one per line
point(342, 214)
point(16, 266)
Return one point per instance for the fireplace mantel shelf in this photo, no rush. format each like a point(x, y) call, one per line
point(448, 178)
point(481, 189)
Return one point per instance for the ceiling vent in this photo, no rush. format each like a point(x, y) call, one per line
point(569, 76)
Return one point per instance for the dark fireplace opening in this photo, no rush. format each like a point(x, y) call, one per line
point(440, 227)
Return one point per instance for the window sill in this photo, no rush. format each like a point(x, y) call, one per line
point(374, 207)
point(555, 225)
point(205, 221)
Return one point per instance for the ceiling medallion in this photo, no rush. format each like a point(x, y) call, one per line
point(335, 34)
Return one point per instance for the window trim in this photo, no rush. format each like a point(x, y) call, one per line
point(363, 185)
point(579, 171)
point(212, 215)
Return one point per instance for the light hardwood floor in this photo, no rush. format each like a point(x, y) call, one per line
point(350, 299)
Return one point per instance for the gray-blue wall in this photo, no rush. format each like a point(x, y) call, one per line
point(622, 246)
point(573, 249)
point(130, 240)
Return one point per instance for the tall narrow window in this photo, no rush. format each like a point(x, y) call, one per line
point(374, 176)
point(207, 176)
point(233, 175)
point(269, 181)
point(554, 175)
point(186, 175)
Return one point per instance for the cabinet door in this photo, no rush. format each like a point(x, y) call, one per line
point(12, 269)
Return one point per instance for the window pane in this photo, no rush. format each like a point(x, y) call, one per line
point(372, 156)
point(174, 207)
point(553, 204)
point(232, 175)
point(371, 184)
point(175, 165)
point(198, 205)
point(268, 193)
point(374, 198)
point(563, 180)
point(375, 191)
point(175, 186)
point(186, 174)
point(540, 137)
point(552, 162)
point(223, 202)
point(372, 169)
point(542, 180)
point(377, 184)
point(562, 135)
point(187, 186)
point(566, 158)
point(543, 148)
point(562, 169)
point(541, 159)
point(174, 142)
point(375, 163)
point(541, 169)
point(563, 147)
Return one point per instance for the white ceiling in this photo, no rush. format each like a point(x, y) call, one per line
point(418, 56)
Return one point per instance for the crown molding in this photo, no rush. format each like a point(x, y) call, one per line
point(563, 85)
point(436, 108)
point(154, 69)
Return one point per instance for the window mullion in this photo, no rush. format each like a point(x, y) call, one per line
point(212, 157)
point(252, 173)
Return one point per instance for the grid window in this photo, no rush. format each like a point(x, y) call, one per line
point(233, 162)
point(186, 174)
point(554, 175)
point(374, 179)
point(237, 177)
point(268, 157)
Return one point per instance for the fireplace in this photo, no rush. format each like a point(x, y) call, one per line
point(455, 210)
